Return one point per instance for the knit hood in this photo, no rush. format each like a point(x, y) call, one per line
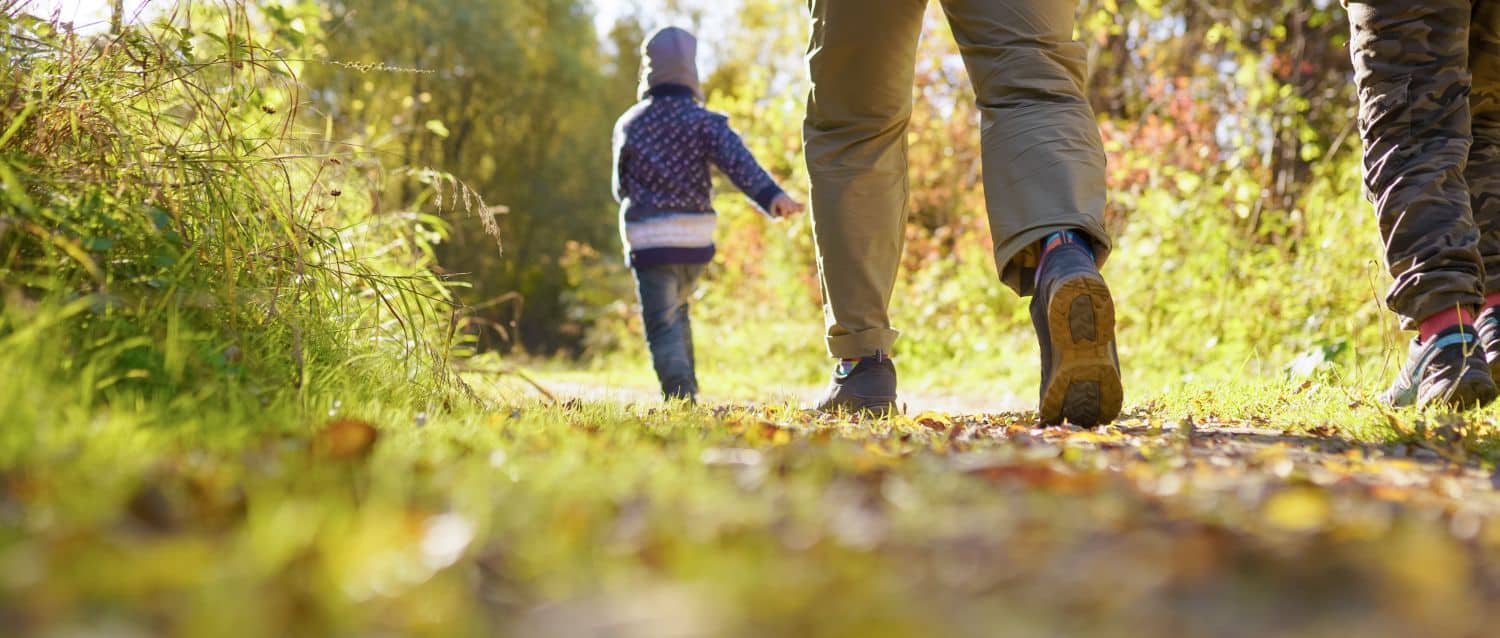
point(670, 56)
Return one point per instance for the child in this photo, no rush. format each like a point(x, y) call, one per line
point(1428, 75)
point(662, 149)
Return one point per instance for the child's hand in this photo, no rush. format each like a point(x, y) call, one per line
point(784, 206)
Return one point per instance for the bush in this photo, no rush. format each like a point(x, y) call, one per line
point(173, 227)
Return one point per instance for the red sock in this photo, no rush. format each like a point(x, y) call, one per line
point(1443, 321)
point(1491, 300)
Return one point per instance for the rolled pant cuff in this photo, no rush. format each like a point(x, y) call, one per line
point(1016, 256)
point(865, 343)
point(1430, 305)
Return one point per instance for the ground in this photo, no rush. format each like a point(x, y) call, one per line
point(600, 512)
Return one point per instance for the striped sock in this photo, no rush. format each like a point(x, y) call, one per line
point(846, 366)
point(1057, 239)
point(1066, 237)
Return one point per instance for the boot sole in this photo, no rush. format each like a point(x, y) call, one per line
point(1085, 385)
point(1472, 390)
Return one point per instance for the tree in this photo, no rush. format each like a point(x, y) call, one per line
point(514, 97)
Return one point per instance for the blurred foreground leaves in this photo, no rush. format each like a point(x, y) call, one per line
point(591, 519)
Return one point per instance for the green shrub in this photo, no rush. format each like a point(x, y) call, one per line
point(175, 225)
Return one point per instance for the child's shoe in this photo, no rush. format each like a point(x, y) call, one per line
point(1074, 317)
point(1449, 369)
point(868, 386)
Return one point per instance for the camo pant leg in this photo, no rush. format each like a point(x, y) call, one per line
point(1483, 172)
point(1411, 69)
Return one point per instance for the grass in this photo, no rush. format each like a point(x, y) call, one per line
point(543, 519)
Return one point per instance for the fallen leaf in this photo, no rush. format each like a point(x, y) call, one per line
point(1299, 509)
point(345, 438)
point(1038, 475)
point(935, 421)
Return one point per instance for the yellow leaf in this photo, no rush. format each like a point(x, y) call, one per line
point(1299, 509)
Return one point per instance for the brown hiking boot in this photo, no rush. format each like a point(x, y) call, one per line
point(1074, 317)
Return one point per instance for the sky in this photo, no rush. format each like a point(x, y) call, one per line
point(716, 14)
point(85, 15)
point(91, 13)
point(609, 10)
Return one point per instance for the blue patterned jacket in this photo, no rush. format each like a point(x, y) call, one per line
point(662, 150)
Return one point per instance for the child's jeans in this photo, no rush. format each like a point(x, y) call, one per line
point(664, 291)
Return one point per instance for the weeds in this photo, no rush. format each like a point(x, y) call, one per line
point(166, 205)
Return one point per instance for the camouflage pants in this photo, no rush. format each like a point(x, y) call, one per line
point(1428, 75)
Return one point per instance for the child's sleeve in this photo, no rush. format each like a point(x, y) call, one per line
point(616, 185)
point(728, 152)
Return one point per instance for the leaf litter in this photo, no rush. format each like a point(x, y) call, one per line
point(568, 519)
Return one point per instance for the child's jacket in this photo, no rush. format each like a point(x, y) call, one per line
point(662, 150)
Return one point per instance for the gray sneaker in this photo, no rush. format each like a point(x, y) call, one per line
point(868, 387)
point(1448, 370)
point(1074, 317)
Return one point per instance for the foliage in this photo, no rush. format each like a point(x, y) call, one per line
point(514, 98)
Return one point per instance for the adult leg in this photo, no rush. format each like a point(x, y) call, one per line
point(1044, 177)
point(1410, 69)
point(1043, 157)
point(1483, 172)
point(862, 61)
point(661, 301)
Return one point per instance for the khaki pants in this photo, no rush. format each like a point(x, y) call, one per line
point(1428, 75)
point(1043, 159)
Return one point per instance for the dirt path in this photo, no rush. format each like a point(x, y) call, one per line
point(912, 403)
point(1214, 456)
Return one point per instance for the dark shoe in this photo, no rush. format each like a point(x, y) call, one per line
point(1448, 370)
point(1488, 327)
point(691, 398)
point(1075, 324)
point(680, 390)
point(870, 386)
